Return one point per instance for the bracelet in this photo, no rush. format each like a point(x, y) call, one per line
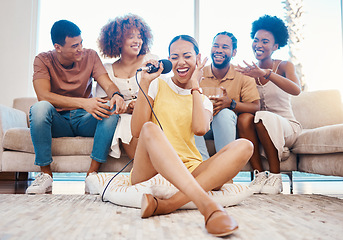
point(196, 89)
point(118, 94)
point(268, 74)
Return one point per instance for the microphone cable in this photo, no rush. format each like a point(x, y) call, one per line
point(120, 171)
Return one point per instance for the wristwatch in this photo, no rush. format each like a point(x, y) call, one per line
point(118, 94)
point(233, 104)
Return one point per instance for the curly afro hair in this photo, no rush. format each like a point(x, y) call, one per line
point(113, 34)
point(274, 25)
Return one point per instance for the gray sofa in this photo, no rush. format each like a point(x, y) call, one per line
point(319, 148)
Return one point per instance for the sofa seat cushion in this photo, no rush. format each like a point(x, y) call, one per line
point(322, 140)
point(324, 164)
point(19, 139)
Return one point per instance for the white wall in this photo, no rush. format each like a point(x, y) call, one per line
point(18, 24)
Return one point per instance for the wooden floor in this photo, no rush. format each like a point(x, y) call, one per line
point(329, 188)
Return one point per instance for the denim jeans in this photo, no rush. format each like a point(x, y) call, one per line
point(222, 131)
point(47, 123)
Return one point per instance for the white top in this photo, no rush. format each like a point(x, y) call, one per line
point(275, 100)
point(277, 117)
point(129, 88)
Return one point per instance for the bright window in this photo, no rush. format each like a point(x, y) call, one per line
point(321, 53)
point(236, 17)
point(91, 16)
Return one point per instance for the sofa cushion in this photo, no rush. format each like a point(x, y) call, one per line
point(318, 108)
point(328, 139)
point(24, 105)
point(325, 164)
point(19, 139)
point(10, 118)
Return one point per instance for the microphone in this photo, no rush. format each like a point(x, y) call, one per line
point(167, 66)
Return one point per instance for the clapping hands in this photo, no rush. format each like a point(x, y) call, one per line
point(251, 70)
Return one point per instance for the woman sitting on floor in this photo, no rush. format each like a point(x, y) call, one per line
point(182, 111)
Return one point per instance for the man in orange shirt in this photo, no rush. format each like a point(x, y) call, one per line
point(239, 93)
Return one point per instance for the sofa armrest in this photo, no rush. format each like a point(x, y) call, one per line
point(11, 118)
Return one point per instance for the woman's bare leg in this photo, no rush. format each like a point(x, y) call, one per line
point(154, 155)
point(246, 129)
point(269, 148)
point(213, 172)
point(130, 148)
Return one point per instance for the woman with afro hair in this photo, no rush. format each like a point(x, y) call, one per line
point(128, 39)
point(273, 128)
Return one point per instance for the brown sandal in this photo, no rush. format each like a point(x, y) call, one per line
point(219, 223)
point(148, 206)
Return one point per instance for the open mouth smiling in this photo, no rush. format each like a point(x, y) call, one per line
point(259, 52)
point(182, 71)
point(218, 57)
point(135, 47)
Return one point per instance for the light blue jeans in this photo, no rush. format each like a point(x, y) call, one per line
point(46, 123)
point(222, 131)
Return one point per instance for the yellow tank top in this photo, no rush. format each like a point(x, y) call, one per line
point(174, 111)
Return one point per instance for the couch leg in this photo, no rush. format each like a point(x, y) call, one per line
point(290, 176)
point(21, 176)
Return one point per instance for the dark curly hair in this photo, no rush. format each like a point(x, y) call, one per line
point(274, 25)
point(113, 34)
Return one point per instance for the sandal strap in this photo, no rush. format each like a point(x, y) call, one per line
point(214, 211)
point(209, 216)
point(156, 205)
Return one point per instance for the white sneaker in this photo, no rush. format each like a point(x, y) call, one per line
point(92, 183)
point(42, 184)
point(273, 184)
point(260, 179)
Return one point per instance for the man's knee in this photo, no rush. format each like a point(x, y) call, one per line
point(40, 110)
point(41, 106)
point(225, 121)
point(226, 115)
point(111, 121)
